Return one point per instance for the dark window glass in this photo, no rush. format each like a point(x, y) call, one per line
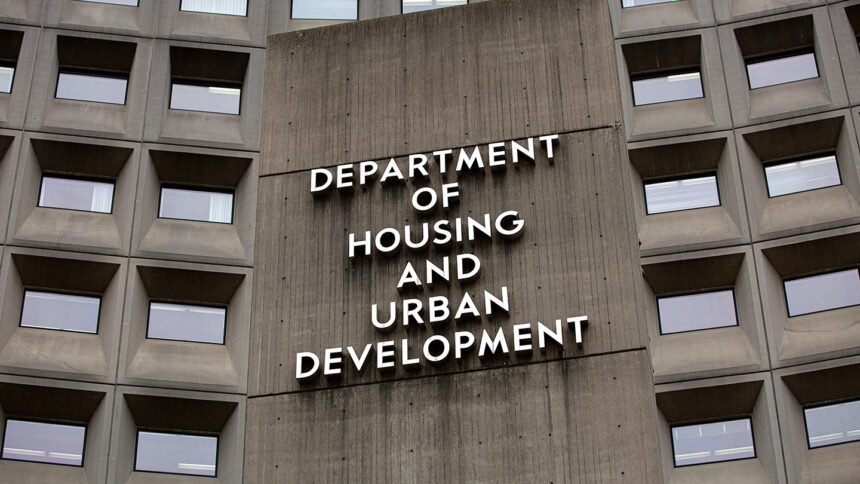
point(221, 7)
point(76, 194)
point(713, 442)
point(212, 99)
point(49, 310)
point(325, 9)
point(801, 175)
point(833, 424)
point(664, 88)
point(130, 3)
point(639, 3)
point(176, 453)
point(91, 87)
point(7, 74)
point(682, 194)
point(419, 5)
point(44, 442)
point(693, 312)
point(183, 322)
point(824, 292)
point(199, 205)
point(781, 70)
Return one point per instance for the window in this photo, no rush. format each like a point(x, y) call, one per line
point(221, 7)
point(67, 312)
point(208, 98)
point(183, 322)
point(713, 442)
point(196, 204)
point(76, 194)
point(44, 442)
point(176, 453)
point(832, 424)
point(805, 174)
point(639, 3)
point(325, 9)
point(781, 69)
point(419, 5)
point(692, 312)
point(661, 88)
point(130, 3)
point(823, 292)
point(681, 194)
point(7, 74)
point(100, 88)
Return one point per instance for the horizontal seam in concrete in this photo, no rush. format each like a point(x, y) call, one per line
point(124, 256)
point(449, 373)
point(112, 384)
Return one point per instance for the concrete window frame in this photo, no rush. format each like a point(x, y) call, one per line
point(183, 364)
point(10, 145)
point(216, 63)
point(65, 402)
point(33, 351)
point(13, 105)
point(711, 352)
point(845, 18)
point(667, 52)
point(807, 211)
point(37, 226)
point(810, 337)
point(122, 121)
point(102, 17)
point(807, 28)
point(182, 412)
point(28, 12)
point(728, 11)
point(701, 228)
point(250, 30)
point(805, 386)
point(716, 399)
point(230, 244)
point(660, 17)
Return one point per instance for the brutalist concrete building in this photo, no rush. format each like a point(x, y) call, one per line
point(558, 241)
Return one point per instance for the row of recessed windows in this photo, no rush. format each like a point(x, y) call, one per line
point(63, 444)
point(220, 7)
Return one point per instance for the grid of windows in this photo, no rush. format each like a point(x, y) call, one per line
point(48, 443)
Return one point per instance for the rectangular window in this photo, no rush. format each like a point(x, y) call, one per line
point(199, 205)
point(220, 7)
point(211, 99)
point(76, 194)
point(410, 6)
point(99, 88)
point(833, 424)
point(44, 442)
point(7, 74)
point(176, 453)
point(683, 194)
point(183, 322)
point(325, 9)
point(824, 292)
point(781, 70)
point(784, 178)
point(66, 312)
point(639, 3)
point(130, 3)
point(692, 312)
point(713, 442)
point(666, 88)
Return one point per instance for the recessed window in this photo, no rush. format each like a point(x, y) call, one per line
point(681, 194)
point(184, 322)
point(129, 3)
point(44, 442)
point(211, 99)
point(325, 9)
point(802, 175)
point(781, 69)
point(833, 424)
point(713, 442)
point(76, 194)
point(100, 88)
point(171, 453)
point(419, 5)
point(823, 292)
point(693, 312)
point(193, 204)
point(7, 75)
point(662, 88)
point(220, 7)
point(639, 3)
point(66, 312)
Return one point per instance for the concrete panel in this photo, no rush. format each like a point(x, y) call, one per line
point(250, 29)
point(103, 17)
point(846, 29)
point(660, 17)
point(13, 105)
point(734, 10)
point(583, 420)
point(22, 11)
point(497, 70)
point(10, 145)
